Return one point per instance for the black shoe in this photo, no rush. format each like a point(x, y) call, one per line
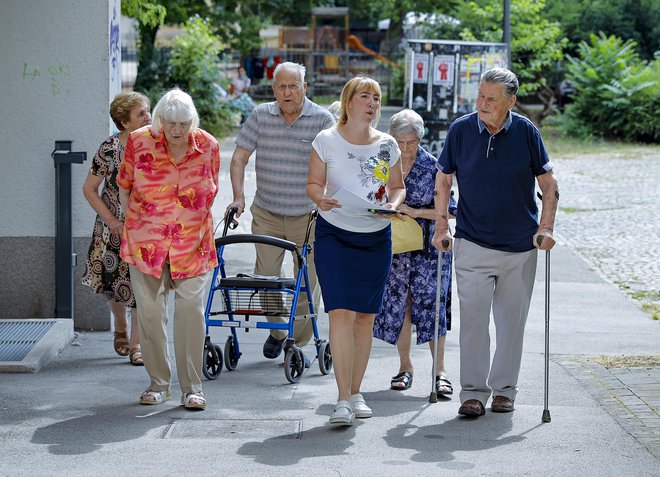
point(273, 347)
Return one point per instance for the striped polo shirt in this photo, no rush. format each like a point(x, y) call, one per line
point(282, 155)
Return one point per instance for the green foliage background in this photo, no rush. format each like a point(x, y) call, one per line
point(618, 94)
point(615, 74)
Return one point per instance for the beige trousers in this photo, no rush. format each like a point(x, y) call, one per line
point(269, 262)
point(151, 297)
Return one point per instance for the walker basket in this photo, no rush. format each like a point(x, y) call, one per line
point(245, 295)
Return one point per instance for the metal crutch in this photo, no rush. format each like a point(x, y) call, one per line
point(546, 411)
point(434, 393)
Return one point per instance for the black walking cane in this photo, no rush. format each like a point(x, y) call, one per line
point(434, 393)
point(546, 412)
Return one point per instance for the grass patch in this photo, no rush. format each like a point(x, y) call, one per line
point(646, 295)
point(624, 361)
point(560, 145)
point(648, 300)
point(325, 100)
point(652, 309)
point(573, 210)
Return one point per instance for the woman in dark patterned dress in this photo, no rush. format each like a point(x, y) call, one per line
point(105, 271)
point(410, 294)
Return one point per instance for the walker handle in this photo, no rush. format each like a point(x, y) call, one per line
point(230, 223)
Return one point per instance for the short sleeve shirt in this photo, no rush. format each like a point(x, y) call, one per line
point(169, 215)
point(496, 180)
point(282, 155)
point(362, 169)
point(240, 83)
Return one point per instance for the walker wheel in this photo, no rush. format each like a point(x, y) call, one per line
point(212, 361)
point(231, 358)
point(325, 357)
point(294, 364)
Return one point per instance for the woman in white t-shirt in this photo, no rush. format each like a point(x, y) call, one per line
point(354, 168)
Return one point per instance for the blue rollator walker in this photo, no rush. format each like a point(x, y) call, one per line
point(247, 295)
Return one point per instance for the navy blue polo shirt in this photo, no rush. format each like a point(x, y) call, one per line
point(496, 180)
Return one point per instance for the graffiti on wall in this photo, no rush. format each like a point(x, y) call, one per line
point(54, 72)
point(115, 49)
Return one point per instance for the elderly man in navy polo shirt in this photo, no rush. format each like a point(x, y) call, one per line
point(496, 155)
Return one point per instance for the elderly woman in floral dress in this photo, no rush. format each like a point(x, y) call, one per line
point(168, 181)
point(105, 272)
point(410, 294)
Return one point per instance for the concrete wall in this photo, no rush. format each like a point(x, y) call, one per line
point(60, 68)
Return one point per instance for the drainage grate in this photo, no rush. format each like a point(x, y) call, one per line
point(247, 429)
point(17, 338)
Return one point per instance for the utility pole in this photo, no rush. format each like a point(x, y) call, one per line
point(507, 30)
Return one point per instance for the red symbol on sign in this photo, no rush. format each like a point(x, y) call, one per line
point(443, 71)
point(420, 69)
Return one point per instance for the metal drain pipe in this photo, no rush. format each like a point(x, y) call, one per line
point(65, 258)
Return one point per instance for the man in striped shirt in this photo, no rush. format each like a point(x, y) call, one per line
point(280, 133)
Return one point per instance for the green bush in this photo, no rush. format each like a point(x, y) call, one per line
point(195, 69)
point(617, 93)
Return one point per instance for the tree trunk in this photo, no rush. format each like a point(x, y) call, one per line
point(146, 74)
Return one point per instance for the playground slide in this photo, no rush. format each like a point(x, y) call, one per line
point(355, 43)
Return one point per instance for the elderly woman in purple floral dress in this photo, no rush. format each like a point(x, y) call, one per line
point(410, 294)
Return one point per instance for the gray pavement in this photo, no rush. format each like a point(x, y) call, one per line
point(80, 416)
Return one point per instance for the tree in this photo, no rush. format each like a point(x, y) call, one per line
point(536, 43)
point(618, 95)
point(150, 15)
point(637, 20)
point(195, 68)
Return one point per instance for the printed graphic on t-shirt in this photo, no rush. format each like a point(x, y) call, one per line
point(374, 172)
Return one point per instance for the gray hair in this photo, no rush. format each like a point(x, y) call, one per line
point(335, 109)
point(177, 106)
point(503, 76)
point(406, 122)
point(290, 66)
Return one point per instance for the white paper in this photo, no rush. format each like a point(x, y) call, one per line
point(350, 200)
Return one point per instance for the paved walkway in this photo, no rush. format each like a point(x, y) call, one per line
point(610, 214)
point(79, 415)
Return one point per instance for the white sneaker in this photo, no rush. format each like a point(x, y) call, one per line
point(343, 414)
point(360, 408)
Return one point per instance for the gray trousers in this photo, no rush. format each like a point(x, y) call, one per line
point(503, 281)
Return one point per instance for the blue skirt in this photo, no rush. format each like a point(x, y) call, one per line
point(352, 267)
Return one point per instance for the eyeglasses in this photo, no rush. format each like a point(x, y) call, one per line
point(294, 87)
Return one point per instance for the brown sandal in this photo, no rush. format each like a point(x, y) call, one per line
point(121, 343)
point(135, 356)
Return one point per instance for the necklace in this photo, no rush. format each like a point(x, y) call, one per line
point(409, 169)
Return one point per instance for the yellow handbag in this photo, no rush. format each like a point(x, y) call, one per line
point(406, 235)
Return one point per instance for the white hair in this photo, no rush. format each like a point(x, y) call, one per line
point(288, 65)
point(177, 106)
point(406, 122)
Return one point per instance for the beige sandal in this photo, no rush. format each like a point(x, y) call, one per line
point(121, 343)
point(135, 356)
point(154, 397)
point(193, 401)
